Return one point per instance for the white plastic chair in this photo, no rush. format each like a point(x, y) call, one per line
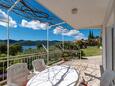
point(107, 78)
point(17, 75)
point(38, 65)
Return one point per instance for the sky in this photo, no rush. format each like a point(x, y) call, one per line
point(25, 29)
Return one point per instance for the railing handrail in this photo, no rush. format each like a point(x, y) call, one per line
point(23, 55)
point(3, 58)
point(18, 57)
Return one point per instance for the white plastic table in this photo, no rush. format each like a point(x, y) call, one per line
point(55, 76)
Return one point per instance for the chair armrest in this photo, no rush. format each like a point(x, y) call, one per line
point(30, 76)
point(36, 72)
point(47, 66)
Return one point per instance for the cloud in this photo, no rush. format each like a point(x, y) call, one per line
point(34, 24)
point(59, 30)
point(80, 36)
point(4, 20)
point(76, 34)
point(71, 33)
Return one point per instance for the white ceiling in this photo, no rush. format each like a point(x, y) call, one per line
point(90, 13)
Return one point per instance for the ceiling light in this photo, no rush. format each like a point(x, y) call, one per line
point(74, 11)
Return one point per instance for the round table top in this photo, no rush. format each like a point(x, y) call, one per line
point(55, 76)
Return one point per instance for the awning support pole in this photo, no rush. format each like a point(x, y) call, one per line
point(63, 42)
point(48, 39)
point(8, 43)
point(48, 46)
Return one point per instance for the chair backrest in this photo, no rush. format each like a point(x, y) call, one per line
point(39, 65)
point(17, 74)
point(107, 78)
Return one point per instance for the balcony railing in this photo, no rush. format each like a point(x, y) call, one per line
point(27, 58)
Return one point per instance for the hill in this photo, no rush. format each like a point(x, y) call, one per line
point(29, 42)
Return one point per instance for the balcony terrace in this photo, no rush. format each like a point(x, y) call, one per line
point(79, 14)
point(90, 65)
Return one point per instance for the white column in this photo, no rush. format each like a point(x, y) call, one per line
point(107, 59)
point(109, 39)
point(114, 39)
point(104, 47)
point(109, 48)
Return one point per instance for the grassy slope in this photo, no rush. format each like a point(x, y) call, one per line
point(92, 51)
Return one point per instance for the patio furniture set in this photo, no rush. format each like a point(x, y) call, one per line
point(42, 75)
point(56, 75)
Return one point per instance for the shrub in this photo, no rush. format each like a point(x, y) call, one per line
point(65, 56)
point(80, 54)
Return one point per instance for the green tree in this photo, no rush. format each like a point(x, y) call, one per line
point(91, 35)
point(15, 49)
point(3, 49)
point(39, 46)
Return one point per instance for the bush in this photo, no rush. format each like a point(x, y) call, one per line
point(66, 56)
point(67, 46)
point(93, 42)
point(80, 54)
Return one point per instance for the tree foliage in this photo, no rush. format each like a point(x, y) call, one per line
point(3, 49)
point(93, 40)
point(91, 35)
point(67, 46)
point(14, 49)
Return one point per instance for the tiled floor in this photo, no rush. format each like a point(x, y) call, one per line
point(90, 66)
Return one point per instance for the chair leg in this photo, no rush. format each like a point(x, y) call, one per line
point(101, 69)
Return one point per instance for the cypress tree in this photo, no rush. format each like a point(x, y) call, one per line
point(90, 35)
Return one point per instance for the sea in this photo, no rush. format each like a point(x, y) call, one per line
point(29, 47)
